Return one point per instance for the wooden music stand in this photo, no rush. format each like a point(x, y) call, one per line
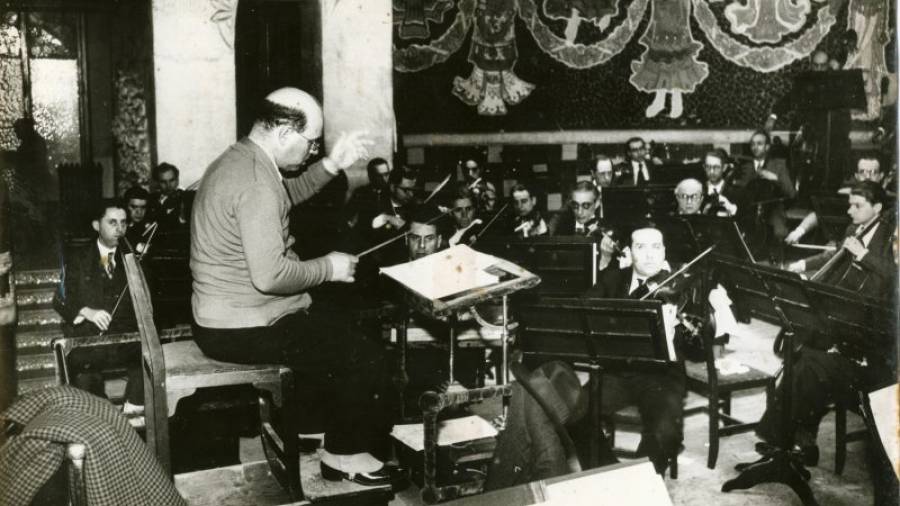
point(595, 335)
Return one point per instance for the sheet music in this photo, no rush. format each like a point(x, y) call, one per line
point(456, 430)
point(638, 484)
point(886, 413)
point(445, 273)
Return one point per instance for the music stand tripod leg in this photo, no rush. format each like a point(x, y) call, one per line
point(595, 403)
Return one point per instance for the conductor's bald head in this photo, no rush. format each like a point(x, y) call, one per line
point(288, 125)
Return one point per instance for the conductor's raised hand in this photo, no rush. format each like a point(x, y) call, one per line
point(343, 266)
point(349, 148)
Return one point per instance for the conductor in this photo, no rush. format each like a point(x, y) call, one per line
point(250, 300)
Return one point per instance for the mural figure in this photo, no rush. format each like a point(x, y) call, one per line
point(669, 65)
point(492, 83)
point(573, 12)
point(412, 16)
point(869, 19)
point(767, 21)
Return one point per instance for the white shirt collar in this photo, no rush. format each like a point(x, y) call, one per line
point(104, 251)
point(270, 157)
point(635, 276)
point(715, 187)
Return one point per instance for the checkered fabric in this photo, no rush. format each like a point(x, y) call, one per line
point(119, 469)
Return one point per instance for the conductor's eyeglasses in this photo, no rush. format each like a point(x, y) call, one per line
point(314, 144)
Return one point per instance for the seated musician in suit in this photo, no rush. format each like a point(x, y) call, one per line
point(527, 221)
point(636, 169)
point(688, 196)
point(868, 168)
point(167, 205)
point(139, 224)
point(764, 180)
point(719, 194)
point(89, 293)
point(602, 174)
point(581, 218)
point(475, 180)
point(659, 396)
point(378, 171)
point(824, 377)
point(389, 212)
point(463, 211)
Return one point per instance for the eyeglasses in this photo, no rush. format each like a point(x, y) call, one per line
point(314, 144)
point(712, 167)
point(584, 206)
point(689, 198)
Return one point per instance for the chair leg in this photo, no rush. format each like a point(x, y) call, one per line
point(280, 445)
point(713, 454)
point(726, 403)
point(840, 438)
point(673, 467)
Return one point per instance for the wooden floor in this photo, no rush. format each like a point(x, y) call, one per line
point(696, 484)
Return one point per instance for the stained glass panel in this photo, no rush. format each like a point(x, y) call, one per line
point(12, 105)
point(9, 35)
point(52, 35)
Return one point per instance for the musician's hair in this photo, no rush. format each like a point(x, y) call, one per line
point(99, 210)
point(270, 115)
point(871, 191)
point(601, 158)
point(425, 213)
point(871, 157)
point(635, 139)
point(720, 154)
point(521, 187)
point(584, 186)
point(689, 181)
point(373, 164)
point(764, 134)
point(646, 225)
point(164, 167)
point(136, 193)
point(402, 173)
point(462, 191)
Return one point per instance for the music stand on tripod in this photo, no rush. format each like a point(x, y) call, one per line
point(595, 335)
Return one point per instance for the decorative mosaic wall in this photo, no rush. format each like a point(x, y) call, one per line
point(520, 65)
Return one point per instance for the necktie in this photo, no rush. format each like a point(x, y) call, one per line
point(110, 264)
point(759, 164)
point(640, 290)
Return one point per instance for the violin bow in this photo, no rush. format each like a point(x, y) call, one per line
point(153, 229)
point(399, 236)
point(680, 271)
point(438, 188)
point(491, 221)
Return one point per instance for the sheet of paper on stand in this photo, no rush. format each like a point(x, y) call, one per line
point(453, 431)
point(886, 414)
point(638, 484)
point(445, 273)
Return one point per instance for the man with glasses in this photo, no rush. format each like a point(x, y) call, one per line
point(581, 215)
point(719, 194)
point(689, 196)
point(635, 170)
point(251, 302)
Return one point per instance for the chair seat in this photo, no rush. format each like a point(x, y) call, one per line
point(188, 368)
point(697, 374)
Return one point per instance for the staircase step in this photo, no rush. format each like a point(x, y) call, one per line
point(44, 277)
point(38, 365)
point(34, 298)
point(39, 318)
point(30, 385)
point(36, 340)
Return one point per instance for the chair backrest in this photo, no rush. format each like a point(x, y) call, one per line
point(152, 362)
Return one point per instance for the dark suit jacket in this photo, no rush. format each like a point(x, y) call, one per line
point(878, 263)
point(729, 191)
point(623, 174)
point(612, 284)
point(775, 165)
point(85, 284)
point(171, 213)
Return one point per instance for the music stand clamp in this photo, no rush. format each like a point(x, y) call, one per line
point(597, 335)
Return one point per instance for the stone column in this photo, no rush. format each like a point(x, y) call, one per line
point(357, 75)
point(193, 48)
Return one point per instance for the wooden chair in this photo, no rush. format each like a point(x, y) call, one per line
point(176, 370)
point(703, 378)
point(842, 437)
point(629, 416)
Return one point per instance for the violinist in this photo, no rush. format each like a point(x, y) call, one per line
point(465, 225)
point(864, 261)
point(719, 193)
point(527, 221)
point(580, 217)
point(659, 396)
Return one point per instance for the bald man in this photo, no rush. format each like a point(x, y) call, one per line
point(689, 195)
point(250, 300)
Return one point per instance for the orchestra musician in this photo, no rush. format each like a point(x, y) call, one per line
point(602, 173)
point(581, 218)
point(527, 221)
point(659, 396)
point(822, 377)
point(635, 170)
point(689, 197)
point(250, 301)
point(465, 223)
point(719, 193)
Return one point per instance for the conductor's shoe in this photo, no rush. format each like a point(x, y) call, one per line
point(381, 477)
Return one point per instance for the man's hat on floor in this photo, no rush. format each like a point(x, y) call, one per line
point(555, 386)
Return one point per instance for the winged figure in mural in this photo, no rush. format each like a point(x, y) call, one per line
point(573, 12)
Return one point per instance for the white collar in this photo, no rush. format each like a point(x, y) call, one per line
point(635, 276)
point(104, 251)
point(270, 157)
point(715, 187)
